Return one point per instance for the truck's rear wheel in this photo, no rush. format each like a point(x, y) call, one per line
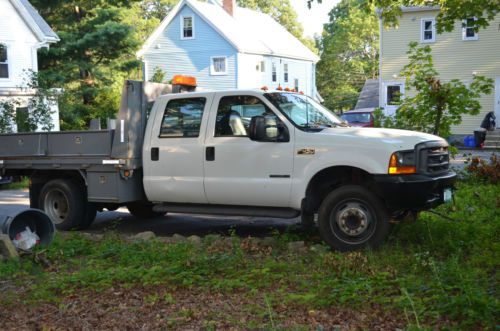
point(65, 203)
point(351, 218)
point(142, 209)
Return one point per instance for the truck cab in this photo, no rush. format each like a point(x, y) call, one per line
point(282, 154)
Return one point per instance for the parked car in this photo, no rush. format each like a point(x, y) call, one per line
point(360, 117)
point(5, 180)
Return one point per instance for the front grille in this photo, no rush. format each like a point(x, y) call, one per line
point(433, 158)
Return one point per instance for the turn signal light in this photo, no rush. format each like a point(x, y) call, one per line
point(396, 169)
point(184, 80)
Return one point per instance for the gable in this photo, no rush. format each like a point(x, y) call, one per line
point(11, 21)
point(206, 38)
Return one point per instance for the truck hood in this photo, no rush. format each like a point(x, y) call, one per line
point(400, 139)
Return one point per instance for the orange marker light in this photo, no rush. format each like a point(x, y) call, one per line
point(394, 169)
point(184, 80)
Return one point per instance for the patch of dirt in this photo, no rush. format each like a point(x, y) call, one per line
point(162, 308)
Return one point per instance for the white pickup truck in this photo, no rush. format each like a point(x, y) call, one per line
point(241, 152)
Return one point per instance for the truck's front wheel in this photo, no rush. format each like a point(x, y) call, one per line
point(351, 218)
point(65, 203)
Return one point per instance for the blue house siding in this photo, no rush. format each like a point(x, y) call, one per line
point(191, 57)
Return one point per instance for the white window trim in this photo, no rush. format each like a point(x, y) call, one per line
point(274, 72)
point(262, 64)
point(9, 61)
point(182, 26)
point(422, 30)
point(393, 83)
point(287, 72)
point(464, 31)
point(212, 69)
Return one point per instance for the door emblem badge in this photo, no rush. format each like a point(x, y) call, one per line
point(306, 151)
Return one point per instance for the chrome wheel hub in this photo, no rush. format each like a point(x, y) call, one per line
point(56, 206)
point(353, 219)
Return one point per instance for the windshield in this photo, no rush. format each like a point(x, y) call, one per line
point(303, 111)
point(357, 117)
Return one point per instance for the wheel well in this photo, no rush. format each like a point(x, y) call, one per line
point(327, 180)
point(40, 177)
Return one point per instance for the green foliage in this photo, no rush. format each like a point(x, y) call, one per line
point(436, 105)
point(38, 113)
point(349, 54)
point(96, 49)
point(435, 272)
point(450, 11)
point(158, 76)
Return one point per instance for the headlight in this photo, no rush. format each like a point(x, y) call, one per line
point(402, 162)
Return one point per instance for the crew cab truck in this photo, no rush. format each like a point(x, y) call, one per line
point(240, 152)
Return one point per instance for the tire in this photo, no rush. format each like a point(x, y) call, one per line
point(307, 220)
point(141, 209)
point(65, 203)
point(353, 218)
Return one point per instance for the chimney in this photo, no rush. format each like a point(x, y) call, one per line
point(229, 6)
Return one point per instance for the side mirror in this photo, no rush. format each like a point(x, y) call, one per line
point(268, 129)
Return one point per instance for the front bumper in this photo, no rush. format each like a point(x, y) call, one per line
point(413, 192)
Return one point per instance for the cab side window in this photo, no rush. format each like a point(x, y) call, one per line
point(235, 113)
point(182, 118)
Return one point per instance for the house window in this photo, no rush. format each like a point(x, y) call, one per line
point(393, 95)
point(187, 27)
point(285, 72)
point(4, 64)
point(218, 65)
point(428, 31)
point(262, 66)
point(296, 84)
point(274, 74)
point(182, 118)
point(469, 29)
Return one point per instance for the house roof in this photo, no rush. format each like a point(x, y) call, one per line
point(369, 96)
point(247, 30)
point(34, 21)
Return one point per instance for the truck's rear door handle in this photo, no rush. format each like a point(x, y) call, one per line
point(155, 154)
point(210, 154)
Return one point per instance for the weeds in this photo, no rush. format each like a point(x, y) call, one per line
point(433, 271)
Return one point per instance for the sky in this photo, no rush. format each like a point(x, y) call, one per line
point(314, 18)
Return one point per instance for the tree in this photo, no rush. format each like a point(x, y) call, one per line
point(158, 76)
point(349, 54)
point(38, 112)
point(96, 47)
point(436, 105)
point(450, 11)
point(283, 12)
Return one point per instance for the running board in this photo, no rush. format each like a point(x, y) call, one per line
point(226, 210)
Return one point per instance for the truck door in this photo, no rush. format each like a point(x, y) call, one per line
point(173, 158)
point(239, 171)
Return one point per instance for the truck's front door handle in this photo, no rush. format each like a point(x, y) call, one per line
point(210, 153)
point(155, 154)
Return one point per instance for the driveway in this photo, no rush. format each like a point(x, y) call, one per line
point(12, 201)
point(458, 162)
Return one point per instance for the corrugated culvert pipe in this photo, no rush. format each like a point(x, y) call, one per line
point(28, 228)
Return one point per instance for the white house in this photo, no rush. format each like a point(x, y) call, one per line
point(226, 47)
point(22, 32)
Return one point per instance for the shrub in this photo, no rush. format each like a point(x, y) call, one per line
point(485, 171)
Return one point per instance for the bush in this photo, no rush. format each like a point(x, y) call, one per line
point(482, 170)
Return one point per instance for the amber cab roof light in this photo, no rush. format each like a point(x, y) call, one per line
point(184, 80)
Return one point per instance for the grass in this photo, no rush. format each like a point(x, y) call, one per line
point(16, 185)
point(434, 272)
